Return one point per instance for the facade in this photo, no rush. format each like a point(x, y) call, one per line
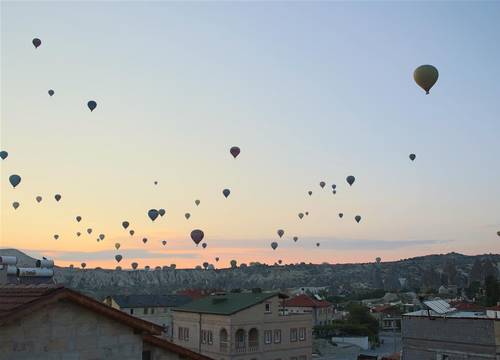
point(388, 316)
point(47, 322)
point(243, 326)
point(322, 312)
point(153, 308)
point(458, 335)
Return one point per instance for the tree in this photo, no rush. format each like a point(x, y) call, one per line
point(492, 291)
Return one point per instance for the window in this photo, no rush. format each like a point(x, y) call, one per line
point(207, 337)
point(253, 339)
point(186, 334)
point(210, 337)
point(223, 340)
point(145, 311)
point(293, 336)
point(180, 334)
point(131, 311)
point(277, 336)
point(152, 311)
point(302, 334)
point(203, 336)
point(240, 339)
point(268, 307)
point(183, 333)
point(268, 336)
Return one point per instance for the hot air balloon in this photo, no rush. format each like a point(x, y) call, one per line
point(498, 233)
point(310, 192)
point(197, 202)
point(357, 218)
point(187, 216)
point(155, 182)
point(89, 231)
point(217, 259)
point(274, 245)
point(3, 154)
point(14, 180)
point(334, 192)
point(131, 232)
point(226, 193)
point(340, 215)
point(83, 265)
point(56, 236)
point(205, 265)
point(307, 213)
point(317, 244)
point(233, 263)
point(117, 246)
point(57, 197)
point(280, 261)
point(78, 218)
point(101, 236)
point(92, 105)
point(350, 179)
point(38, 199)
point(51, 92)
point(78, 233)
point(118, 258)
point(125, 224)
point(164, 242)
point(322, 184)
point(426, 76)
point(281, 232)
point(412, 157)
point(295, 238)
point(144, 240)
point(204, 245)
point(235, 151)
point(153, 214)
point(301, 215)
point(334, 186)
point(161, 212)
point(15, 205)
point(134, 265)
point(36, 42)
point(197, 235)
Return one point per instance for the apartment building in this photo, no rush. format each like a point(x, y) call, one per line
point(322, 311)
point(243, 326)
point(153, 308)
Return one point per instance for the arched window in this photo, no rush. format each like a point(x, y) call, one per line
point(240, 339)
point(223, 340)
point(253, 339)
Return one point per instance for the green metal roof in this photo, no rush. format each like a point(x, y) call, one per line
point(226, 304)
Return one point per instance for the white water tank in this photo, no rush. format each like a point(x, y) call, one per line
point(8, 260)
point(35, 272)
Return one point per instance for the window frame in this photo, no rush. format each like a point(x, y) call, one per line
point(266, 337)
point(302, 334)
point(294, 331)
point(277, 336)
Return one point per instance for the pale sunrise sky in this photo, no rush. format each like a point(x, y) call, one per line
point(310, 92)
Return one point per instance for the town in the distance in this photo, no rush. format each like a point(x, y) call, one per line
point(430, 307)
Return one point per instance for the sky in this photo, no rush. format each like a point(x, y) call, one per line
point(310, 92)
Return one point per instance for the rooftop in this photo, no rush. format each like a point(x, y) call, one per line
point(135, 301)
point(304, 300)
point(454, 314)
point(227, 303)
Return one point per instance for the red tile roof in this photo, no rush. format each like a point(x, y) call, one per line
point(466, 306)
point(304, 300)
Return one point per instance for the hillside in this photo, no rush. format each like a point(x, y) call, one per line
point(429, 271)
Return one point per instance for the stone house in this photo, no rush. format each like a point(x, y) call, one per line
point(243, 326)
point(322, 311)
point(50, 322)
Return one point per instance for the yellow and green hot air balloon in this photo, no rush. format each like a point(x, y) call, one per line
point(426, 76)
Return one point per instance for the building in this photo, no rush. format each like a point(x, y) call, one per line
point(388, 316)
point(322, 311)
point(449, 334)
point(243, 326)
point(52, 322)
point(153, 308)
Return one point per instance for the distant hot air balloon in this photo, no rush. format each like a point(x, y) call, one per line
point(89, 231)
point(36, 42)
point(295, 238)
point(317, 244)
point(280, 261)
point(147, 268)
point(274, 245)
point(164, 242)
point(412, 157)
point(125, 224)
point(307, 213)
point(334, 186)
point(340, 215)
point(217, 259)
point(51, 92)
point(426, 76)
point(56, 236)
point(101, 236)
point(38, 199)
point(144, 240)
point(205, 265)
point(131, 232)
point(14, 180)
point(92, 105)
point(204, 245)
point(117, 246)
point(153, 214)
point(155, 182)
point(322, 184)
point(134, 265)
point(78, 233)
point(334, 192)
point(187, 216)
point(197, 235)
point(350, 180)
point(4, 154)
point(197, 202)
point(226, 192)
point(15, 205)
point(498, 233)
point(235, 151)
point(233, 263)
point(78, 218)
point(281, 232)
point(118, 258)
point(301, 215)
point(357, 218)
point(57, 197)
point(310, 192)
point(161, 212)
point(83, 265)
